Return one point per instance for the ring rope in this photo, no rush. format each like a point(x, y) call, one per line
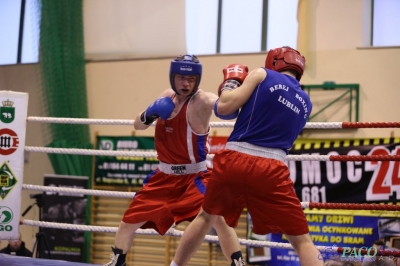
point(153, 154)
point(170, 232)
point(66, 120)
point(350, 206)
point(370, 124)
point(118, 194)
point(207, 238)
point(80, 191)
point(138, 153)
point(129, 122)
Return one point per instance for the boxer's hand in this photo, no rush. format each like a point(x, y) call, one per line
point(234, 75)
point(162, 107)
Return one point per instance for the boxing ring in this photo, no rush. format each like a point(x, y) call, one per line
point(12, 260)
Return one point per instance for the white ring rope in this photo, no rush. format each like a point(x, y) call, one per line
point(170, 232)
point(129, 122)
point(121, 194)
point(136, 153)
point(151, 154)
point(323, 125)
point(94, 192)
point(66, 120)
point(80, 191)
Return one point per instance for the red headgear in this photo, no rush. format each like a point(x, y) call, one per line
point(284, 58)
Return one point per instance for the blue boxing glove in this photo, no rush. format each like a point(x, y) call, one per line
point(224, 117)
point(162, 107)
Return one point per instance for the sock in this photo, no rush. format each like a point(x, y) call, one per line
point(237, 259)
point(173, 264)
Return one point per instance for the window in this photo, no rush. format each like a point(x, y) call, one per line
point(9, 28)
point(31, 32)
point(386, 23)
point(241, 25)
point(282, 23)
point(241, 29)
point(14, 50)
point(201, 26)
point(212, 26)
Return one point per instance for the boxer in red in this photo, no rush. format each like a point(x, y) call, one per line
point(174, 192)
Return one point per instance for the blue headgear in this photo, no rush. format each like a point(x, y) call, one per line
point(185, 65)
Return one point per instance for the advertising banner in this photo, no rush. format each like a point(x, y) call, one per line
point(334, 228)
point(351, 182)
point(13, 114)
point(345, 182)
point(123, 170)
point(63, 208)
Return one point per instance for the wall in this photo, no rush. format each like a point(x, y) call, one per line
point(120, 90)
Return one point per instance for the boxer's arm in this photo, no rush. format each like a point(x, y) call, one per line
point(232, 100)
point(225, 117)
point(161, 107)
point(234, 75)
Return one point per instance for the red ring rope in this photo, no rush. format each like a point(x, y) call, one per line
point(370, 124)
point(358, 158)
point(354, 206)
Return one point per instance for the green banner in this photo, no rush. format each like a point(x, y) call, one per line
point(123, 170)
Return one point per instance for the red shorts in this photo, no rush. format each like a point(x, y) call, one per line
point(261, 185)
point(166, 199)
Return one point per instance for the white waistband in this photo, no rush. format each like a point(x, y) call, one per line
point(182, 169)
point(255, 150)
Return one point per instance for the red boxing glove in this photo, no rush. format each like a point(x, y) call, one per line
point(237, 72)
point(234, 75)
